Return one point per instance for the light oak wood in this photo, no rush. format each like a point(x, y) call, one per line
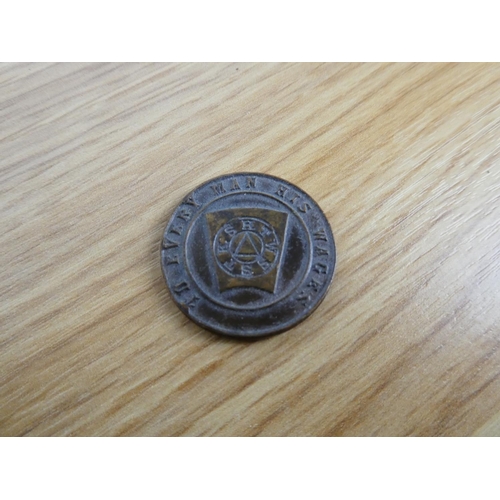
point(403, 159)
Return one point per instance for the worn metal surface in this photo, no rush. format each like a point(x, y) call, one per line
point(248, 255)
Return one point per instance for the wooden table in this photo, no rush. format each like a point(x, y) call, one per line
point(405, 161)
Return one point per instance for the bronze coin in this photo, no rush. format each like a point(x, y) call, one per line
point(248, 255)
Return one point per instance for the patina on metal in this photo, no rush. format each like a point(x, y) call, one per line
point(248, 255)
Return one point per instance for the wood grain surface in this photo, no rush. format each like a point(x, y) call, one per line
point(404, 159)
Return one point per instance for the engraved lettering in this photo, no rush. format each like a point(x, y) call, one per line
point(234, 185)
point(247, 225)
point(191, 302)
point(223, 247)
point(251, 182)
point(176, 229)
point(305, 207)
point(265, 231)
point(246, 271)
point(172, 259)
point(303, 297)
point(314, 284)
point(229, 265)
point(320, 234)
point(295, 196)
point(218, 189)
point(321, 251)
point(281, 190)
point(169, 244)
point(180, 287)
point(320, 268)
point(230, 230)
point(271, 246)
point(264, 264)
point(191, 201)
point(184, 214)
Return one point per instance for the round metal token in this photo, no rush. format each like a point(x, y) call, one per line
point(248, 255)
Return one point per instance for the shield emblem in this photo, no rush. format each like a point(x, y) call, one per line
point(247, 244)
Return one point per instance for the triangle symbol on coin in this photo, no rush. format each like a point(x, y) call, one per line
point(246, 246)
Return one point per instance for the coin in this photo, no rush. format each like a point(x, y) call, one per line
point(248, 255)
